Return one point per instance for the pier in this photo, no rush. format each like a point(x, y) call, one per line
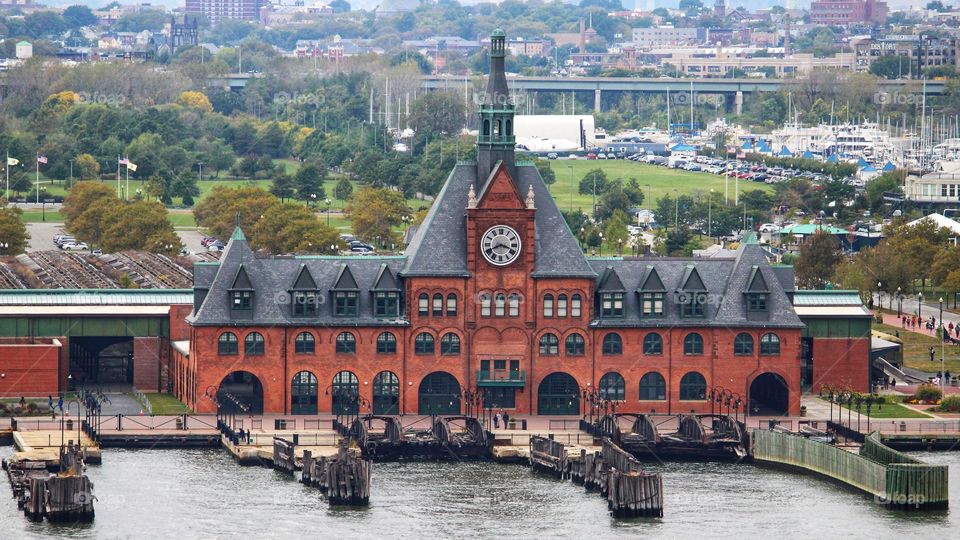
point(686, 436)
point(65, 497)
point(385, 438)
point(344, 478)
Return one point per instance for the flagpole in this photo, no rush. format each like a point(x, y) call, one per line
point(37, 187)
point(118, 175)
point(126, 194)
point(7, 167)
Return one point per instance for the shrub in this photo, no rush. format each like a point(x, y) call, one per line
point(928, 392)
point(950, 404)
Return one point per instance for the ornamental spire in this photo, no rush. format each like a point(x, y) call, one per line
point(472, 198)
point(530, 204)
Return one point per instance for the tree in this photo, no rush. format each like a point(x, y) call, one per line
point(616, 233)
point(140, 226)
point(375, 211)
point(878, 186)
point(12, 230)
point(283, 187)
point(595, 181)
point(195, 100)
point(819, 257)
point(219, 156)
point(546, 172)
point(891, 67)
point(218, 212)
point(343, 191)
point(434, 113)
point(82, 196)
point(86, 166)
point(293, 228)
point(77, 16)
point(309, 182)
point(340, 6)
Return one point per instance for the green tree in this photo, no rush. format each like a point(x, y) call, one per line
point(886, 182)
point(436, 113)
point(891, 67)
point(218, 212)
point(12, 230)
point(375, 212)
point(82, 196)
point(77, 15)
point(292, 228)
point(139, 226)
point(546, 171)
point(309, 182)
point(283, 187)
point(595, 181)
point(819, 257)
point(616, 234)
point(343, 191)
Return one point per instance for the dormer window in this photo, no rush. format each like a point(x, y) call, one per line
point(241, 300)
point(651, 305)
point(345, 304)
point(692, 295)
point(241, 295)
point(386, 304)
point(692, 306)
point(611, 305)
point(756, 302)
point(305, 303)
point(756, 295)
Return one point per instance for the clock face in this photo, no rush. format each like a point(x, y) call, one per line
point(500, 245)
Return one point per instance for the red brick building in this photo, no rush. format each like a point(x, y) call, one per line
point(844, 12)
point(495, 295)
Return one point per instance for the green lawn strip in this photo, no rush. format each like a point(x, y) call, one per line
point(166, 405)
point(888, 410)
point(916, 350)
point(39, 216)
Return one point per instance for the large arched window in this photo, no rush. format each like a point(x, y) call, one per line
point(386, 343)
point(500, 305)
point(253, 344)
point(548, 305)
point(423, 304)
point(612, 344)
point(652, 344)
point(438, 305)
point(303, 393)
point(227, 344)
point(743, 344)
point(346, 343)
point(561, 305)
point(693, 387)
point(345, 392)
point(770, 345)
point(386, 393)
point(304, 343)
point(450, 344)
point(612, 387)
point(575, 345)
point(451, 305)
point(576, 305)
point(423, 343)
point(653, 387)
point(693, 344)
point(549, 344)
point(514, 304)
point(486, 128)
point(485, 305)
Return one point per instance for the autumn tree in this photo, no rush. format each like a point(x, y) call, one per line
point(375, 211)
point(219, 210)
point(293, 228)
point(140, 226)
point(12, 230)
point(82, 196)
point(195, 100)
point(86, 166)
point(819, 257)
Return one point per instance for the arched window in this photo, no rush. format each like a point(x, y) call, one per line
point(770, 345)
point(304, 343)
point(253, 344)
point(612, 344)
point(486, 128)
point(693, 344)
point(514, 304)
point(423, 343)
point(574, 345)
point(562, 305)
point(612, 387)
point(509, 128)
point(227, 344)
point(346, 343)
point(386, 393)
point(386, 343)
point(450, 344)
point(743, 344)
point(549, 344)
point(576, 305)
point(548, 305)
point(438, 305)
point(693, 387)
point(303, 393)
point(652, 344)
point(345, 392)
point(451, 305)
point(423, 304)
point(500, 305)
point(485, 305)
point(653, 387)
point(496, 127)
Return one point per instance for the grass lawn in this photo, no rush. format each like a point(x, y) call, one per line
point(916, 348)
point(654, 180)
point(182, 219)
point(889, 410)
point(165, 404)
point(37, 216)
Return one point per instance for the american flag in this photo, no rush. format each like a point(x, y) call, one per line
point(124, 161)
point(42, 159)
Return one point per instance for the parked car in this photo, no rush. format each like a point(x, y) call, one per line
point(74, 246)
point(552, 155)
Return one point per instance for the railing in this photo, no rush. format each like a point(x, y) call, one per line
point(563, 424)
point(523, 439)
point(846, 432)
point(501, 376)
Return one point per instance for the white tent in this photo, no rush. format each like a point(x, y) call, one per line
point(552, 132)
point(941, 221)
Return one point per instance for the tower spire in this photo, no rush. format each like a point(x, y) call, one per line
point(496, 139)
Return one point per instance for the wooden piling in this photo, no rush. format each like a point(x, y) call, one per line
point(284, 457)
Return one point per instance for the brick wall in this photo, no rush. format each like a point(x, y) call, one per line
point(31, 367)
point(146, 363)
point(841, 361)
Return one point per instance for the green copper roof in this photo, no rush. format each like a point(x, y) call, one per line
point(812, 228)
point(498, 33)
point(238, 235)
point(827, 297)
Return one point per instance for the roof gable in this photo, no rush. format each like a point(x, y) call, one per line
point(241, 281)
point(345, 280)
point(651, 280)
point(385, 280)
point(500, 191)
point(610, 281)
point(756, 283)
point(304, 280)
point(691, 280)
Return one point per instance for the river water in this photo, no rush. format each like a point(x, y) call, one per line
point(186, 494)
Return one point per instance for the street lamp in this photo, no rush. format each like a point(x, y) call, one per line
point(327, 202)
point(619, 246)
point(879, 298)
point(43, 198)
point(583, 233)
point(899, 308)
point(601, 244)
point(920, 305)
point(943, 346)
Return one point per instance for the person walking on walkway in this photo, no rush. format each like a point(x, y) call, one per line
point(496, 421)
point(506, 420)
point(932, 353)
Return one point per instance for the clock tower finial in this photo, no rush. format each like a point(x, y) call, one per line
point(530, 203)
point(496, 139)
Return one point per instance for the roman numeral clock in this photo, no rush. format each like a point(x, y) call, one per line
point(500, 245)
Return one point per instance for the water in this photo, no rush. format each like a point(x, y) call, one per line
point(187, 494)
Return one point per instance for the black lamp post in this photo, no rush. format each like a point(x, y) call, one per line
point(920, 305)
point(899, 303)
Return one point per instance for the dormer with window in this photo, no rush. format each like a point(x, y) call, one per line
point(386, 295)
point(692, 296)
point(241, 295)
point(757, 296)
point(651, 295)
point(345, 295)
point(610, 293)
point(304, 296)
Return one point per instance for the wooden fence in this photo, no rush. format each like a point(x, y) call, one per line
point(894, 479)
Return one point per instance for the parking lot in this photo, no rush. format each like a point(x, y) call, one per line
point(41, 237)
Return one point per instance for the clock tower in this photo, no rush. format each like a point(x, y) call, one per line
point(496, 140)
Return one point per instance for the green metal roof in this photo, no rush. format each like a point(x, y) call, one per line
point(750, 239)
point(238, 235)
point(94, 297)
point(812, 228)
point(827, 298)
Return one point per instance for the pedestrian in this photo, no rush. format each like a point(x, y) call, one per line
point(242, 437)
point(932, 353)
point(23, 402)
point(50, 402)
point(893, 383)
point(903, 321)
point(60, 404)
point(946, 375)
point(506, 420)
point(496, 421)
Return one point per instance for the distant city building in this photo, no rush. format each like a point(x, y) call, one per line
point(665, 35)
point(24, 50)
point(528, 47)
point(216, 10)
point(844, 12)
point(7, 4)
point(183, 35)
point(918, 54)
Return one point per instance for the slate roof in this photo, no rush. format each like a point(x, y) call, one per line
point(724, 282)
point(273, 278)
point(439, 248)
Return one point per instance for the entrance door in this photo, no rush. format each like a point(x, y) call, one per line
point(558, 394)
point(241, 392)
point(346, 392)
point(769, 395)
point(386, 393)
point(303, 390)
point(439, 394)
